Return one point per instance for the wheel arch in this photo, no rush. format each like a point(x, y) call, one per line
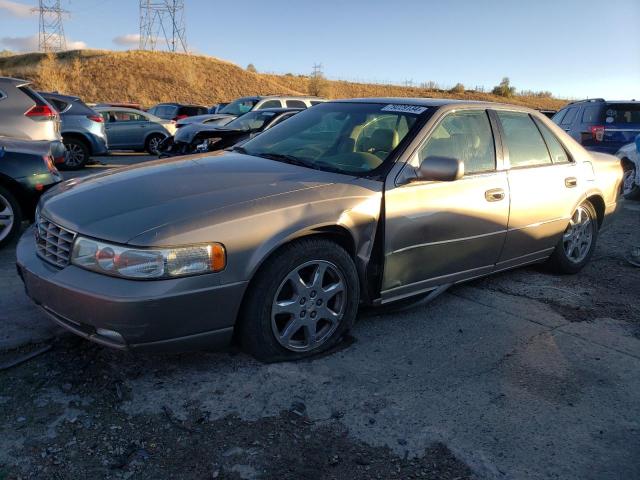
point(81, 137)
point(16, 189)
point(598, 203)
point(332, 232)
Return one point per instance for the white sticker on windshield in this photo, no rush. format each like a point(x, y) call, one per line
point(415, 109)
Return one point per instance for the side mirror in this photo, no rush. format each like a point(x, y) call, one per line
point(441, 169)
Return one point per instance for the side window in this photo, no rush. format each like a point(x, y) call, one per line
point(591, 114)
point(296, 104)
point(59, 105)
point(568, 118)
point(270, 104)
point(466, 136)
point(557, 151)
point(523, 140)
point(281, 119)
point(557, 118)
point(128, 117)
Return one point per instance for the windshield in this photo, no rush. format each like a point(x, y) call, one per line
point(251, 121)
point(240, 106)
point(344, 137)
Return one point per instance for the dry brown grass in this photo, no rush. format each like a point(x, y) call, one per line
point(152, 77)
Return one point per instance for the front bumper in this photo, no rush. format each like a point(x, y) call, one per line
point(161, 315)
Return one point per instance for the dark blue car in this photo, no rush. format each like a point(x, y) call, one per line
point(601, 125)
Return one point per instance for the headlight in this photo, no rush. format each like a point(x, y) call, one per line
point(141, 263)
point(209, 142)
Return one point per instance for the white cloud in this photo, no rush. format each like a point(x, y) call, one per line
point(21, 44)
point(16, 9)
point(30, 44)
point(128, 40)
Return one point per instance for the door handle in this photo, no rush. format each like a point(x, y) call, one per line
point(571, 182)
point(494, 195)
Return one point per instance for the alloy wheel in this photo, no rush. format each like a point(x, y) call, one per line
point(308, 306)
point(7, 218)
point(628, 181)
point(578, 236)
point(75, 156)
point(154, 144)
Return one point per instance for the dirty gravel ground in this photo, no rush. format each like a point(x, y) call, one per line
point(519, 375)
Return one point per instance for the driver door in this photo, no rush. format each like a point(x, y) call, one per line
point(442, 232)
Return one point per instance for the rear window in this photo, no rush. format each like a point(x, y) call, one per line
point(622, 113)
point(591, 114)
point(165, 110)
point(192, 111)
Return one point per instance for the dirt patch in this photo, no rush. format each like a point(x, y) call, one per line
point(61, 417)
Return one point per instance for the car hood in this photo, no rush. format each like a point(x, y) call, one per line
point(120, 205)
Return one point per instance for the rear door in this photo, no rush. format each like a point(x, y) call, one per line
point(442, 232)
point(126, 129)
point(543, 181)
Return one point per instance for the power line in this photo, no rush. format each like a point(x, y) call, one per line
point(317, 70)
point(162, 21)
point(51, 36)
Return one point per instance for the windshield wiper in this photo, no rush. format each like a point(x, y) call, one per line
point(281, 157)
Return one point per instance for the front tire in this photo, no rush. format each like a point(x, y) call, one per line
point(152, 145)
point(302, 302)
point(10, 216)
point(578, 242)
point(77, 154)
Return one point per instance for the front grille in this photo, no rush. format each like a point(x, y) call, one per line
point(53, 242)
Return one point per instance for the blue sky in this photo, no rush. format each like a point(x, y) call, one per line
point(573, 48)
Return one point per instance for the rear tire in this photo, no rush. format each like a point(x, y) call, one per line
point(630, 189)
point(77, 154)
point(578, 242)
point(301, 302)
point(152, 145)
point(10, 216)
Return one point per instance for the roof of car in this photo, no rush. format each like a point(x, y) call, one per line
point(119, 109)
point(174, 104)
point(602, 100)
point(60, 96)
point(279, 110)
point(422, 102)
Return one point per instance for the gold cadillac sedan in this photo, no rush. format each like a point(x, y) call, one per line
point(279, 241)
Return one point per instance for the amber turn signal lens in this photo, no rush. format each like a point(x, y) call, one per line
point(218, 257)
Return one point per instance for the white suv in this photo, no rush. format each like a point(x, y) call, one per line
point(25, 114)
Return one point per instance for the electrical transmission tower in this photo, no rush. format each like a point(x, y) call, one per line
point(51, 31)
point(162, 20)
point(317, 70)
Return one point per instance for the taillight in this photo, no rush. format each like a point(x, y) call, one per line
point(180, 117)
point(49, 162)
point(96, 118)
point(40, 112)
point(597, 133)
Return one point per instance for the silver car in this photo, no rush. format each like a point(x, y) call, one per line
point(130, 129)
point(279, 242)
point(24, 114)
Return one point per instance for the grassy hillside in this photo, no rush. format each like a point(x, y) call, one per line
point(152, 77)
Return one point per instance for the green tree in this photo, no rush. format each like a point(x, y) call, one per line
point(458, 88)
point(504, 89)
point(251, 68)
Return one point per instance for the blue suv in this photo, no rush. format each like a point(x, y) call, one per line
point(83, 131)
point(601, 125)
